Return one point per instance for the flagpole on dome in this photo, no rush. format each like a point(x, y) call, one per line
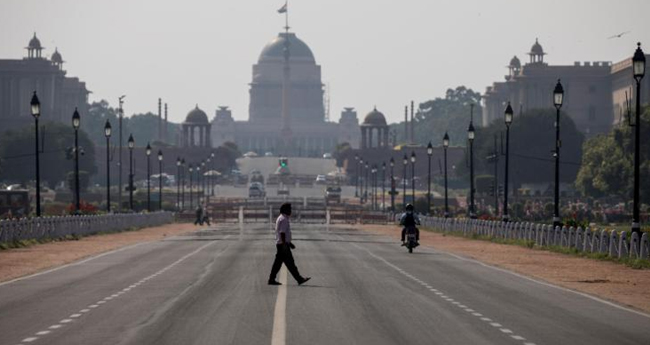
point(285, 9)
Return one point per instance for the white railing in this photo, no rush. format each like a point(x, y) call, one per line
point(60, 227)
point(611, 243)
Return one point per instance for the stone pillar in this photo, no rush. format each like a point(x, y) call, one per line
point(363, 137)
point(208, 141)
point(386, 136)
point(201, 142)
point(192, 130)
point(370, 137)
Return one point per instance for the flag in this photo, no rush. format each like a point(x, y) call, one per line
point(283, 9)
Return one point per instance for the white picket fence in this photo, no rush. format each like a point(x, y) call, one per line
point(59, 227)
point(612, 243)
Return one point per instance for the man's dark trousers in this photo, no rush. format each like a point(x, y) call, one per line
point(283, 255)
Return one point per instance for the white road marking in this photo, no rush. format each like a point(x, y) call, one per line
point(43, 332)
point(279, 335)
point(118, 293)
point(594, 298)
point(517, 337)
point(445, 297)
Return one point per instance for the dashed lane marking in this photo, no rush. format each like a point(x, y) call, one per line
point(449, 299)
point(114, 295)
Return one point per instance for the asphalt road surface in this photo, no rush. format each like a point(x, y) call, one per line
point(210, 288)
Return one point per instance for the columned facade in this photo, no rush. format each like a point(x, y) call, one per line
point(374, 131)
point(196, 129)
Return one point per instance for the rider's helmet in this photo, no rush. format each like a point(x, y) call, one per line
point(409, 207)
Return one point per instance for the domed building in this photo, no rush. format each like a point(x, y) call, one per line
point(58, 93)
point(196, 129)
point(287, 112)
point(374, 122)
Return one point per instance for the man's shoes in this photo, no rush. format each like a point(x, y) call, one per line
point(304, 280)
point(403, 243)
point(273, 282)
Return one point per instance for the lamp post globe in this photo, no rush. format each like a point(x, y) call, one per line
point(558, 95)
point(131, 142)
point(445, 140)
point(76, 119)
point(392, 184)
point(35, 106)
point(383, 186)
point(638, 63)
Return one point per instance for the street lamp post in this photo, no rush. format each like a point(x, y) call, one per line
point(76, 122)
point(183, 184)
point(160, 177)
point(360, 179)
point(508, 120)
point(558, 99)
point(356, 182)
point(208, 181)
point(198, 184)
point(178, 183)
point(445, 145)
point(203, 180)
point(638, 63)
point(213, 169)
point(383, 187)
point(470, 137)
point(374, 187)
point(429, 154)
point(107, 133)
point(413, 176)
point(119, 152)
point(191, 201)
point(36, 113)
point(392, 184)
point(365, 192)
point(131, 145)
point(406, 163)
point(148, 152)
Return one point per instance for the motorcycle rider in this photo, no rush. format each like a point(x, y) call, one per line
point(409, 220)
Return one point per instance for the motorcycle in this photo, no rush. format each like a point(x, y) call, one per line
point(411, 241)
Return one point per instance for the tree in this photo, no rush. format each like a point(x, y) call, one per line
point(608, 163)
point(17, 150)
point(341, 153)
point(450, 114)
point(532, 140)
point(144, 127)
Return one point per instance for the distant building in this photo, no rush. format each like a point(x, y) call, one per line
point(310, 133)
point(59, 95)
point(594, 91)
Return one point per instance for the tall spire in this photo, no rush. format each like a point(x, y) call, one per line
point(287, 134)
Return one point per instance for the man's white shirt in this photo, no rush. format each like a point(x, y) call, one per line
point(282, 226)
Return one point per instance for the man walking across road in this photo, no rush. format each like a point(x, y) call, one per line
point(283, 246)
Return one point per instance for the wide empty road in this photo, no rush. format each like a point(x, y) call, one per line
point(210, 288)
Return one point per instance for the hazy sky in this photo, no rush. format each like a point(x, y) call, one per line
point(372, 52)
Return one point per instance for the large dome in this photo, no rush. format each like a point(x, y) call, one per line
point(197, 116)
point(374, 118)
point(298, 50)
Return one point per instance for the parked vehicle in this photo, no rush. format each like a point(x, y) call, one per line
point(321, 179)
point(256, 190)
point(14, 203)
point(333, 195)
